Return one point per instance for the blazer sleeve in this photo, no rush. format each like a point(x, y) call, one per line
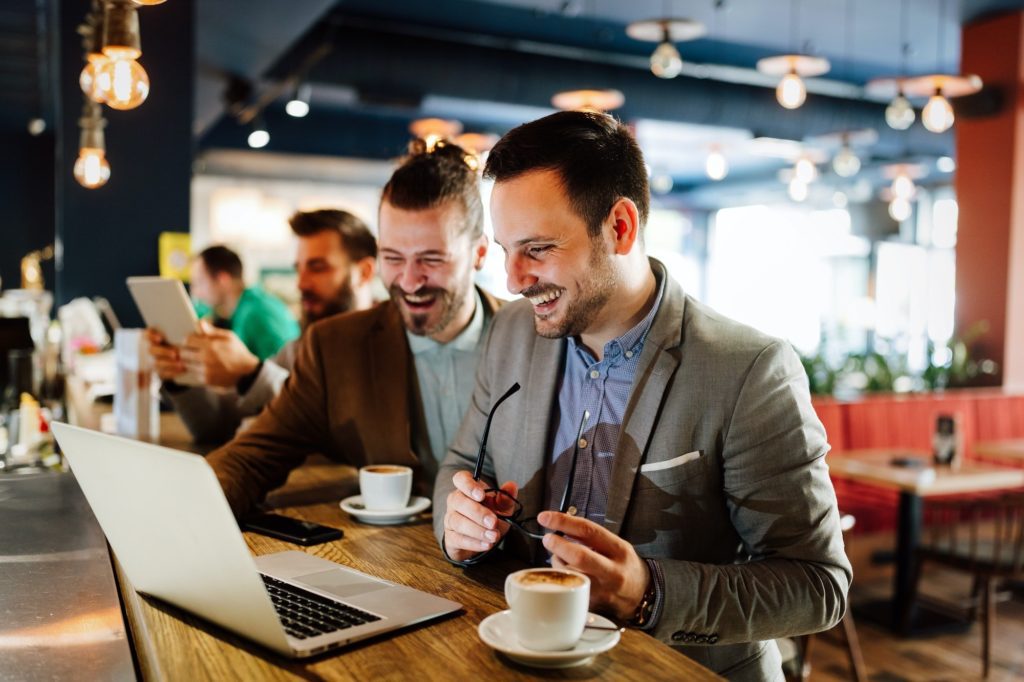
point(782, 504)
point(293, 425)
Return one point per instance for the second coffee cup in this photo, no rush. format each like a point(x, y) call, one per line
point(385, 486)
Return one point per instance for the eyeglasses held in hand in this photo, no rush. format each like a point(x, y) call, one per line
point(529, 526)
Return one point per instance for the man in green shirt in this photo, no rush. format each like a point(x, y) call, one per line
point(261, 321)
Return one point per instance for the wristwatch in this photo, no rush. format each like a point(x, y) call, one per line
point(645, 610)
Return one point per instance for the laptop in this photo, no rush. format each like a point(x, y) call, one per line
point(166, 518)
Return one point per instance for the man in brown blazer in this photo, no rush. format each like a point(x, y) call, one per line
point(366, 386)
point(669, 453)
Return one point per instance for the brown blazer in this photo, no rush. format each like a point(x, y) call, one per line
point(352, 396)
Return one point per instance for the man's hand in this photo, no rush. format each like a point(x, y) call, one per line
point(470, 523)
point(220, 355)
point(618, 576)
point(167, 360)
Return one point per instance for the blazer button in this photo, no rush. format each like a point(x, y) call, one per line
point(702, 639)
point(678, 636)
point(713, 639)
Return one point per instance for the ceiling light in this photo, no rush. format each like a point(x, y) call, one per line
point(662, 183)
point(665, 60)
point(903, 187)
point(715, 165)
point(839, 199)
point(92, 169)
point(149, 2)
point(259, 137)
point(478, 143)
point(804, 170)
point(937, 115)
point(298, 105)
point(433, 130)
point(946, 164)
point(121, 38)
point(128, 83)
point(899, 115)
point(588, 100)
point(846, 163)
point(798, 189)
point(900, 209)
point(793, 68)
point(93, 82)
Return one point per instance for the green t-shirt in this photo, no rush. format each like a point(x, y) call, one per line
point(263, 323)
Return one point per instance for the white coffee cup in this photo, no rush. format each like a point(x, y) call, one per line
point(385, 486)
point(549, 607)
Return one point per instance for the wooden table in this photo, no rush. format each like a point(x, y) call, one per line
point(1009, 451)
point(174, 645)
point(875, 467)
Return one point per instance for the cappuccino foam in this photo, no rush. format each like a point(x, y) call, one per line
point(553, 579)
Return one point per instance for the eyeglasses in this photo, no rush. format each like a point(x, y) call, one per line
point(528, 526)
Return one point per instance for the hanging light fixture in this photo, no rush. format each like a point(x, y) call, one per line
point(900, 209)
point(899, 114)
point(937, 115)
point(149, 2)
point(588, 100)
point(798, 189)
point(433, 130)
point(298, 105)
point(715, 165)
point(122, 45)
point(665, 60)
point(846, 163)
point(478, 143)
point(804, 170)
point(259, 136)
point(92, 169)
point(791, 91)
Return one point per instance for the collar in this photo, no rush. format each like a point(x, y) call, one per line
point(467, 340)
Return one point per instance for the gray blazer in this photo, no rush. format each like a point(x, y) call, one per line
point(747, 531)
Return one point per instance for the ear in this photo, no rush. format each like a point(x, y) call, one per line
point(480, 252)
point(624, 225)
point(364, 270)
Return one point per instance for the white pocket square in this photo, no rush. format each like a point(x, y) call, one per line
point(674, 462)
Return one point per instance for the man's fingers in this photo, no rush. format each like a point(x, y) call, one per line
point(464, 526)
point(586, 532)
point(456, 541)
point(579, 557)
point(464, 482)
point(474, 511)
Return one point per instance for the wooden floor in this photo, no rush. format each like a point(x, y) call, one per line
point(941, 658)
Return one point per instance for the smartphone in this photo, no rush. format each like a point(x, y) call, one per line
point(291, 530)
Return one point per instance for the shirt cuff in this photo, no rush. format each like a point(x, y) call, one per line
point(246, 382)
point(659, 594)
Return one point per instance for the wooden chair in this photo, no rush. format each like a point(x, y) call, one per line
point(991, 550)
point(858, 670)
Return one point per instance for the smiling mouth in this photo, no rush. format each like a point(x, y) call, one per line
point(546, 302)
point(419, 302)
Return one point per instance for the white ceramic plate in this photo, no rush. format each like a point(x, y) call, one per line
point(497, 632)
point(386, 517)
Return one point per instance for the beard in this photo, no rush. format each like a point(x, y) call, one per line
point(592, 296)
point(342, 302)
point(446, 306)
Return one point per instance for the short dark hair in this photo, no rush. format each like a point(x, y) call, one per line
point(356, 238)
point(218, 259)
point(426, 178)
point(596, 157)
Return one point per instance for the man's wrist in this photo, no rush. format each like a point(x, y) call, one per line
point(245, 383)
point(647, 611)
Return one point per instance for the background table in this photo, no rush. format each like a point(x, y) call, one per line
point(172, 644)
point(914, 484)
point(1009, 451)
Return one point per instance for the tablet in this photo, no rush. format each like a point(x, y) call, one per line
point(166, 307)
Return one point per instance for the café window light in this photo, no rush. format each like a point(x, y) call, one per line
point(298, 105)
point(259, 136)
point(666, 61)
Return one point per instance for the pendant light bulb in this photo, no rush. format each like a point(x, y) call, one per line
point(805, 170)
point(903, 187)
point(899, 209)
point(93, 81)
point(128, 83)
point(298, 105)
point(845, 163)
point(665, 60)
point(791, 91)
point(715, 166)
point(92, 169)
point(259, 137)
point(937, 115)
point(899, 115)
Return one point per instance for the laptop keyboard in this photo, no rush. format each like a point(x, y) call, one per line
point(306, 614)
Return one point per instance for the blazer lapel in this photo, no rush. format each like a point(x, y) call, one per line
point(658, 363)
point(388, 355)
point(538, 411)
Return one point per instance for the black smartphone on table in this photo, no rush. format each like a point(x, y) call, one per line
point(292, 530)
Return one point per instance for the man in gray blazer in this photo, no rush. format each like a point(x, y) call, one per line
point(675, 451)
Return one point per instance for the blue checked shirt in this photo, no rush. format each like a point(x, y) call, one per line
point(602, 388)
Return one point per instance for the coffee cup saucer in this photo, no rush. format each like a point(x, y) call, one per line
point(498, 632)
point(354, 506)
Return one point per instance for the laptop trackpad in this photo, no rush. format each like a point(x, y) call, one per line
point(341, 583)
